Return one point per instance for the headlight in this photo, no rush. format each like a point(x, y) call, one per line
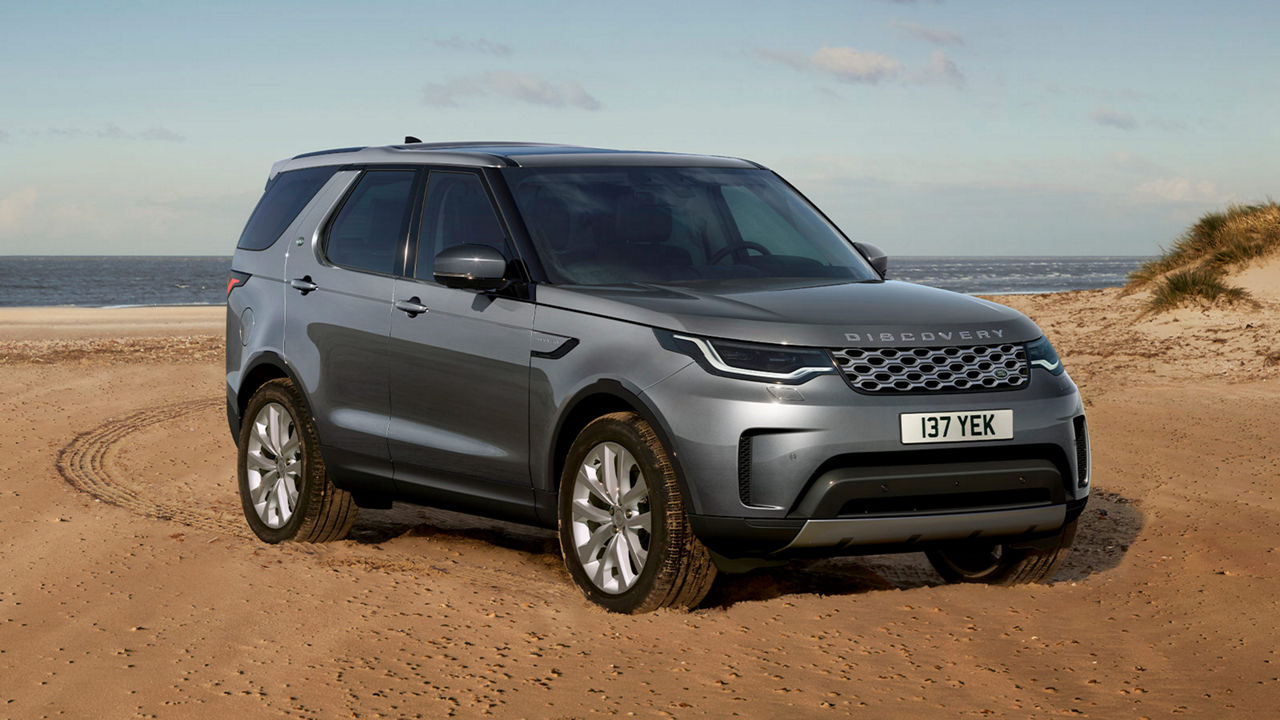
point(1041, 354)
point(751, 361)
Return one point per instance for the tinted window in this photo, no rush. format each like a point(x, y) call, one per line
point(627, 225)
point(287, 193)
point(457, 212)
point(368, 231)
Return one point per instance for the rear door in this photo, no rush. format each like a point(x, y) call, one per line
point(338, 305)
point(459, 431)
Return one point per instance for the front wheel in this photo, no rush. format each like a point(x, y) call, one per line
point(1002, 564)
point(624, 532)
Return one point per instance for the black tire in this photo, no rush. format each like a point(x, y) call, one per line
point(678, 570)
point(323, 512)
point(1001, 564)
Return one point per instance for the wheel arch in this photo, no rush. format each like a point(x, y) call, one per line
point(264, 368)
point(601, 398)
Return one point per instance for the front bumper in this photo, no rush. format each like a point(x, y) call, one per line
point(826, 468)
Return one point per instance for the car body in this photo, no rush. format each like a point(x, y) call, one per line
point(806, 406)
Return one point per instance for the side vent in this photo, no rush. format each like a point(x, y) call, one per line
point(744, 469)
point(1082, 451)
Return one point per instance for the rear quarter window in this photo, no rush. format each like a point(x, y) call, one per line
point(285, 196)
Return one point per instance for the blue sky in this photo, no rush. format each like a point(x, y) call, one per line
point(927, 127)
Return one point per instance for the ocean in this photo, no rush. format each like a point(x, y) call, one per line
point(113, 281)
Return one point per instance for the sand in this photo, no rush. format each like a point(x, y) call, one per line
point(130, 586)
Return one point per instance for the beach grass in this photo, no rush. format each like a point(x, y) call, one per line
point(1195, 269)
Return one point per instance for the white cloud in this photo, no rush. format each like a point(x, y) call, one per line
point(1113, 118)
point(1180, 190)
point(866, 67)
point(856, 66)
point(524, 87)
point(937, 36)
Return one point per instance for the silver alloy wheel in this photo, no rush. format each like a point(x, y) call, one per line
point(611, 523)
point(273, 465)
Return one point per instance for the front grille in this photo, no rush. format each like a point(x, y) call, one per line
point(934, 369)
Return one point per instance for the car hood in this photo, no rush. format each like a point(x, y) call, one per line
point(803, 313)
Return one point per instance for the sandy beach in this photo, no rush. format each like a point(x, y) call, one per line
point(130, 585)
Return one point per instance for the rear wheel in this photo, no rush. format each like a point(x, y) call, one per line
point(624, 532)
point(1002, 564)
point(284, 488)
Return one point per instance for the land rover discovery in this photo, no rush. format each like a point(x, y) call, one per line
point(675, 360)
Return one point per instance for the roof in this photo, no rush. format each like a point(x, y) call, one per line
point(502, 154)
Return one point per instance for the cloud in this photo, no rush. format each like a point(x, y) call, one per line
point(1113, 118)
point(855, 66)
point(523, 87)
point(159, 134)
point(481, 45)
point(1180, 190)
point(941, 69)
point(937, 36)
point(867, 67)
point(799, 62)
point(112, 131)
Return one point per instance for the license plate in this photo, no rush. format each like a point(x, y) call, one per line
point(956, 426)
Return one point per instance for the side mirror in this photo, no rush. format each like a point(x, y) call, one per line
point(874, 255)
point(471, 267)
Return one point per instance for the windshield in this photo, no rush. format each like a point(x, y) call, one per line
point(606, 226)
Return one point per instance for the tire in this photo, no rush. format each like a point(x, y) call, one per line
point(1003, 564)
point(285, 490)
point(603, 522)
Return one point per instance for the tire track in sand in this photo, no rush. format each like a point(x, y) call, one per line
point(82, 463)
point(85, 464)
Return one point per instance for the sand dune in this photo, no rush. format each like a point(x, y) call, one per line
point(129, 585)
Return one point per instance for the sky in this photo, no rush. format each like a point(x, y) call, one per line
point(927, 127)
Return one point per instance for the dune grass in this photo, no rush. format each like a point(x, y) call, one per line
point(1196, 267)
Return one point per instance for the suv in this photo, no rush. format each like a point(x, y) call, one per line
point(675, 360)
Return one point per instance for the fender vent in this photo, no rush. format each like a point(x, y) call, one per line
point(1082, 451)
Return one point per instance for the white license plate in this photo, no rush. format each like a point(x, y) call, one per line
point(956, 426)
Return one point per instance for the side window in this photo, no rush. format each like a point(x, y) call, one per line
point(284, 198)
point(368, 231)
point(457, 212)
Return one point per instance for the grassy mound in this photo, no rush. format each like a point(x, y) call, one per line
point(1197, 266)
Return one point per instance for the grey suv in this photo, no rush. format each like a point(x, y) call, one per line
point(676, 360)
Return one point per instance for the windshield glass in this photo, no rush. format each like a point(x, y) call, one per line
point(613, 225)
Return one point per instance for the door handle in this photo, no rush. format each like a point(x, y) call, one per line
point(412, 307)
point(303, 284)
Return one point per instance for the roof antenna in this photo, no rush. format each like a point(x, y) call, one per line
point(410, 139)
